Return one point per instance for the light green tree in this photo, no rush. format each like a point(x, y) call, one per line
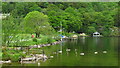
point(10, 28)
point(36, 22)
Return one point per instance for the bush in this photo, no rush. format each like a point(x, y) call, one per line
point(57, 39)
point(43, 40)
point(50, 40)
point(15, 57)
point(46, 40)
point(22, 55)
point(5, 56)
point(27, 43)
point(34, 40)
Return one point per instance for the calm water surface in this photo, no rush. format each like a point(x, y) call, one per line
point(86, 45)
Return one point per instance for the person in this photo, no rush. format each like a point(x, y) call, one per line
point(33, 36)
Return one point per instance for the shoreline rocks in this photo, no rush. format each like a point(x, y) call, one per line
point(35, 57)
point(43, 45)
point(9, 61)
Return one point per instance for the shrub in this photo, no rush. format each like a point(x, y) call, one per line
point(43, 40)
point(30, 43)
point(22, 55)
point(50, 40)
point(34, 40)
point(5, 56)
point(15, 57)
point(46, 40)
point(57, 38)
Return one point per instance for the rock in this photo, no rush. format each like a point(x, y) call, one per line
point(39, 46)
point(38, 58)
point(27, 62)
point(41, 56)
point(1, 62)
point(18, 48)
point(28, 59)
point(35, 46)
point(43, 44)
point(24, 52)
point(9, 61)
point(48, 44)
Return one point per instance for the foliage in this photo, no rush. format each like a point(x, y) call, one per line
point(13, 55)
point(80, 17)
point(10, 27)
point(45, 40)
point(50, 40)
point(5, 56)
point(91, 29)
point(38, 23)
point(34, 40)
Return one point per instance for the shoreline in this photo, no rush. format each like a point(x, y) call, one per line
point(44, 45)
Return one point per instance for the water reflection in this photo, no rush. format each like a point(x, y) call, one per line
point(94, 48)
point(85, 51)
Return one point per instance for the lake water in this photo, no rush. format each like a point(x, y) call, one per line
point(98, 51)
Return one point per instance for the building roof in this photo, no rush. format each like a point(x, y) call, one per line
point(96, 33)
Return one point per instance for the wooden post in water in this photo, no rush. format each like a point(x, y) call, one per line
point(43, 54)
point(28, 49)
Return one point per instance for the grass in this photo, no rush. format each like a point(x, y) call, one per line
point(27, 40)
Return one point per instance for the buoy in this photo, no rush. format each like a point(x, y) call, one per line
point(67, 49)
point(60, 51)
point(82, 54)
point(104, 51)
point(54, 52)
point(38, 64)
point(51, 56)
point(76, 53)
point(75, 49)
point(96, 52)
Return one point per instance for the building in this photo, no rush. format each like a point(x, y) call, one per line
point(96, 34)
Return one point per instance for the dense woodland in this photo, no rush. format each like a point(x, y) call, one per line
point(78, 17)
point(74, 16)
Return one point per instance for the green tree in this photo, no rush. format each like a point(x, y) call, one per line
point(36, 22)
point(10, 28)
point(91, 29)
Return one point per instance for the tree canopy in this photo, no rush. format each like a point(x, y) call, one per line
point(80, 17)
point(36, 22)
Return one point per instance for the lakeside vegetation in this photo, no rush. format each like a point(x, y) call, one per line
point(48, 20)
